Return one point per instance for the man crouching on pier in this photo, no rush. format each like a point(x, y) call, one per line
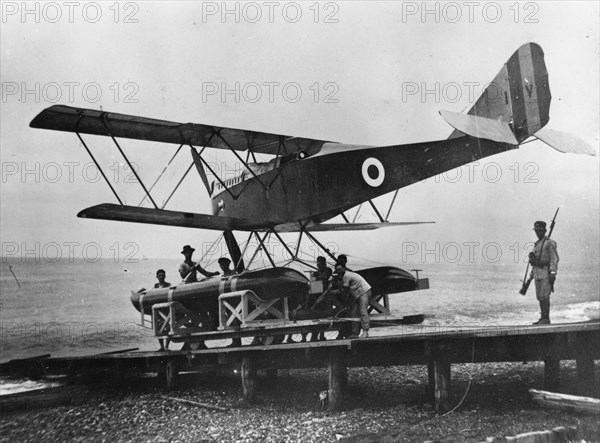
point(360, 290)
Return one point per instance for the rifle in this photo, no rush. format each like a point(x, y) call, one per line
point(527, 281)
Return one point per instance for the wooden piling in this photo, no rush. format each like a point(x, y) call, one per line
point(171, 372)
point(552, 374)
point(338, 380)
point(441, 374)
point(431, 378)
point(585, 375)
point(248, 375)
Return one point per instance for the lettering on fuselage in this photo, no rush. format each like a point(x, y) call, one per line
point(332, 182)
point(230, 182)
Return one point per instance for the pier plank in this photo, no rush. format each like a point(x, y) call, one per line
point(429, 345)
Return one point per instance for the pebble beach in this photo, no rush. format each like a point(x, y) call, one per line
point(384, 404)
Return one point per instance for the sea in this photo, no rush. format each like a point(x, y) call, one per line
point(77, 307)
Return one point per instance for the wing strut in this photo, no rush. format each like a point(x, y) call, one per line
point(326, 250)
point(372, 203)
point(99, 168)
point(376, 211)
point(294, 256)
point(177, 185)
point(103, 118)
point(263, 247)
point(298, 243)
point(391, 205)
point(146, 190)
point(161, 174)
point(240, 159)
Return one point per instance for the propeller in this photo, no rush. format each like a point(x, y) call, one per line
point(200, 169)
point(234, 251)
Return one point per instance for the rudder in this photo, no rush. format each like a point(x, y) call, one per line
point(519, 95)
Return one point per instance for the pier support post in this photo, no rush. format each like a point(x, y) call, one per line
point(585, 375)
point(431, 378)
point(338, 380)
point(441, 375)
point(438, 372)
point(171, 372)
point(248, 374)
point(552, 374)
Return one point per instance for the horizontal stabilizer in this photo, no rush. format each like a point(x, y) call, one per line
point(564, 142)
point(348, 226)
point(109, 211)
point(480, 127)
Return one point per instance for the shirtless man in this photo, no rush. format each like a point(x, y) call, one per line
point(188, 269)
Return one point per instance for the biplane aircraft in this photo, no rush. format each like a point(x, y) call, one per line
point(308, 182)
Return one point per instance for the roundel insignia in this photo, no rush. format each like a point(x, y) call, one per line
point(373, 172)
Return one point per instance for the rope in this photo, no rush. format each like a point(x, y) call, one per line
point(437, 417)
point(468, 385)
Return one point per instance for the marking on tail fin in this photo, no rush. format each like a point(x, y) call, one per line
point(528, 81)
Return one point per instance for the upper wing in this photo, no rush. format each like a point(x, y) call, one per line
point(89, 121)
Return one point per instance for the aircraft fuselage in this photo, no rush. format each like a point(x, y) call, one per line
point(337, 177)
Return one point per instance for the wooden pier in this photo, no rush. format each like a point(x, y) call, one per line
point(435, 346)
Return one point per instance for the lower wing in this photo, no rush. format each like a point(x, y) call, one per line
point(134, 214)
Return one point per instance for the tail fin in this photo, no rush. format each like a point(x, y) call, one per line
point(519, 97)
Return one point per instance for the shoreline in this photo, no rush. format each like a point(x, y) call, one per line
point(384, 404)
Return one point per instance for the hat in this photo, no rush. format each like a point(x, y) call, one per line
point(187, 248)
point(539, 225)
point(223, 260)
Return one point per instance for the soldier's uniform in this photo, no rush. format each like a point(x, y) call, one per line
point(544, 268)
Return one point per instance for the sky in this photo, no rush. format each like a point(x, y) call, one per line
point(375, 73)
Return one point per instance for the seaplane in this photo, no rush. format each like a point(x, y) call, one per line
point(304, 185)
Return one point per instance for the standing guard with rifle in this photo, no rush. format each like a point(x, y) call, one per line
point(544, 265)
